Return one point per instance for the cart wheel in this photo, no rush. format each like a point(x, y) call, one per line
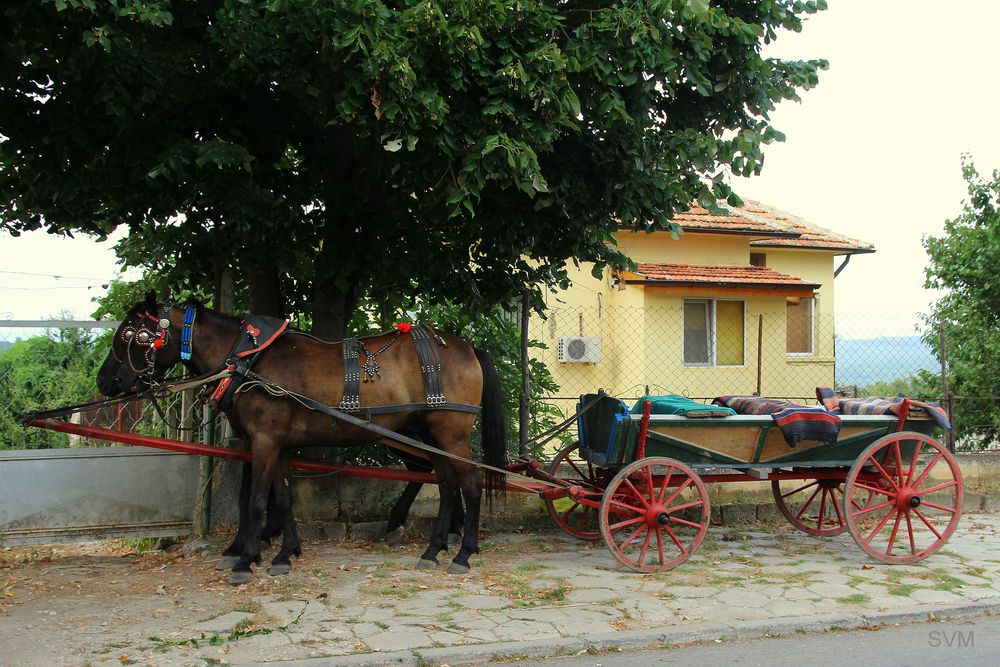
point(915, 503)
point(576, 518)
point(812, 506)
point(654, 514)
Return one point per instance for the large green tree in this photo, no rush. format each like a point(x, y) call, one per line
point(326, 151)
point(964, 262)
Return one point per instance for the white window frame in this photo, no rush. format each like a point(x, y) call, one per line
point(812, 328)
point(712, 333)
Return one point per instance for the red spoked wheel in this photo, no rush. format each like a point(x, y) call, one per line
point(654, 514)
point(903, 497)
point(812, 506)
point(575, 517)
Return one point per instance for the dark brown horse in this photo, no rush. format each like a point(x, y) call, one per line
point(148, 343)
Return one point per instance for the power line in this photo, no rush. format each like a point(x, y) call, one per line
point(43, 289)
point(50, 275)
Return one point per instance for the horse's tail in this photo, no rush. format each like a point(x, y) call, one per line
point(493, 426)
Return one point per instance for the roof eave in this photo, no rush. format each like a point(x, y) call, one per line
point(714, 283)
point(838, 251)
point(741, 232)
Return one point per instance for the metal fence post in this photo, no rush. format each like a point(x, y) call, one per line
point(760, 339)
point(949, 400)
point(523, 406)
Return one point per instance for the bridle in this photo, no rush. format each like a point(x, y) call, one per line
point(149, 333)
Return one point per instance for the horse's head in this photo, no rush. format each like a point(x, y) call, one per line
point(144, 348)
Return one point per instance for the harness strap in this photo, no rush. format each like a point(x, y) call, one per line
point(351, 399)
point(430, 365)
point(189, 315)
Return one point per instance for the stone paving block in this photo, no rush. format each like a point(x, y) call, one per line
point(593, 595)
point(223, 624)
point(283, 613)
point(931, 595)
point(979, 592)
point(831, 591)
point(397, 638)
point(481, 601)
point(517, 630)
point(692, 591)
point(790, 608)
point(740, 598)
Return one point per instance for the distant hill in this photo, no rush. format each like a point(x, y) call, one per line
point(862, 361)
point(4, 344)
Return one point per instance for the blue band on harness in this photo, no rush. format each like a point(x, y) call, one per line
point(189, 313)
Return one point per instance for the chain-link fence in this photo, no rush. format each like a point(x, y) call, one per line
point(702, 349)
point(705, 348)
point(46, 368)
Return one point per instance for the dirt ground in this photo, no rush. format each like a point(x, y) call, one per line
point(95, 602)
point(120, 602)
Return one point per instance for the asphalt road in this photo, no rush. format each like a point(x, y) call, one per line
point(971, 643)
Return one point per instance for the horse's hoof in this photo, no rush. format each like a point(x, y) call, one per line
point(227, 562)
point(278, 569)
point(426, 563)
point(454, 539)
point(395, 537)
point(239, 578)
point(458, 568)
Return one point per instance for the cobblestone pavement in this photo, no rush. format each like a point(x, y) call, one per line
point(103, 603)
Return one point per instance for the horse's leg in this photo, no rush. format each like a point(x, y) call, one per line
point(290, 545)
point(471, 485)
point(439, 536)
point(457, 519)
point(274, 519)
point(231, 554)
point(265, 452)
point(399, 512)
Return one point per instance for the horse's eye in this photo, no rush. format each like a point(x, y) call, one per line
point(143, 336)
point(127, 335)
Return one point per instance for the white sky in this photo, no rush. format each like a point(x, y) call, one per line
point(873, 152)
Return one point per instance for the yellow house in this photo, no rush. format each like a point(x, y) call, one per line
point(742, 303)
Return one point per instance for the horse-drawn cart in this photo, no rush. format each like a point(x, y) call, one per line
point(897, 492)
point(639, 480)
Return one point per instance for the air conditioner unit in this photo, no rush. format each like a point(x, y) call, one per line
point(579, 349)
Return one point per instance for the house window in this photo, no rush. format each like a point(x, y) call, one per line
point(758, 259)
point(714, 332)
point(799, 326)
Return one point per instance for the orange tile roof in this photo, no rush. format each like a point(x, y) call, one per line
point(779, 228)
point(718, 276)
point(733, 221)
point(810, 235)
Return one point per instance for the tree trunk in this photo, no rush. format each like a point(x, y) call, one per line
point(332, 307)
point(265, 292)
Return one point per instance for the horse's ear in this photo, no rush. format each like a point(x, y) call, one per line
point(150, 303)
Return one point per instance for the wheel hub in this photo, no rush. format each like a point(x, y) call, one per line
point(907, 499)
point(657, 515)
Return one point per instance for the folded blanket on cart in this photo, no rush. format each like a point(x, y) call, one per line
point(879, 406)
point(672, 404)
point(797, 422)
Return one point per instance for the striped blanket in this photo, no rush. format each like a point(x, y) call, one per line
point(879, 406)
point(798, 423)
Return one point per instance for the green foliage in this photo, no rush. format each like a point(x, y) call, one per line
point(923, 386)
point(963, 261)
point(44, 372)
point(324, 152)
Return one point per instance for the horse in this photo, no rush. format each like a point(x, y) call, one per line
point(275, 410)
